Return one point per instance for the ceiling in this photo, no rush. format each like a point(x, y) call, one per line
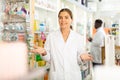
point(105, 5)
point(109, 8)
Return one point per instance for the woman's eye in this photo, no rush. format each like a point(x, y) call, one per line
point(66, 17)
point(60, 17)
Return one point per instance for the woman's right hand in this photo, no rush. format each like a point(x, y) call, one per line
point(39, 50)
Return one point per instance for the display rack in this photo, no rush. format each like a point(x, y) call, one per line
point(115, 31)
point(117, 55)
point(43, 20)
point(14, 20)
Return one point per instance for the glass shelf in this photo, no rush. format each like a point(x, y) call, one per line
point(44, 8)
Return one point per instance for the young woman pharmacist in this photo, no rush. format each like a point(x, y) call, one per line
point(64, 50)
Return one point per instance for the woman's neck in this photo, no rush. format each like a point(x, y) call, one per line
point(65, 33)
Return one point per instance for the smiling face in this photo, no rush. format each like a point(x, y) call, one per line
point(65, 19)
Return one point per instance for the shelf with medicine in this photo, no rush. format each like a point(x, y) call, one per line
point(115, 31)
point(43, 20)
point(15, 15)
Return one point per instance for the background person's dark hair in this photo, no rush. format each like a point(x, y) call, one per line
point(98, 23)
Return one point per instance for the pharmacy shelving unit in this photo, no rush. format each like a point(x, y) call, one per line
point(43, 18)
point(15, 20)
point(43, 14)
point(115, 31)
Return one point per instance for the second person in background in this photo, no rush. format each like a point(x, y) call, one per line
point(97, 42)
point(64, 50)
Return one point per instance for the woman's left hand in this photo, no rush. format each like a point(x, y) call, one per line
point(86, 57)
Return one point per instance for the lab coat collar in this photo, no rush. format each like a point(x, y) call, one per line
point(67, 38)
point(100, 28)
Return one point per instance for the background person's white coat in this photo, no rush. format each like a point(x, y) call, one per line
point(64, 56)
point(97, 43)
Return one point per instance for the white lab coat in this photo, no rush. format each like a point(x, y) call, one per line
point(64, 56)
point(97, 43)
